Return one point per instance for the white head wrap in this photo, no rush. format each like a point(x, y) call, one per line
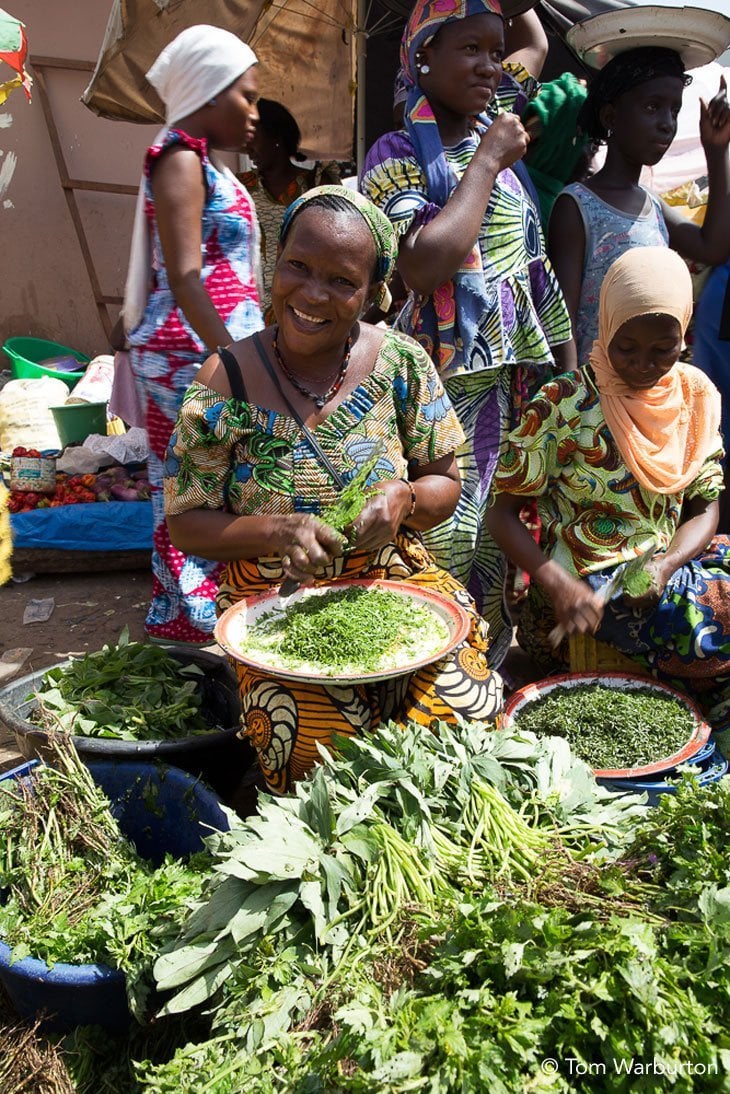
point(195, 66)
point(189, 72)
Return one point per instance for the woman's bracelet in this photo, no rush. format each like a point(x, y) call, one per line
point(412, 489)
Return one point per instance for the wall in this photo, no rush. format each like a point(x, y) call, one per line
point(45, 290)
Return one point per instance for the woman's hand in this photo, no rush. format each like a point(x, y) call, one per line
point(306, 546)
point(715, 120)
point(658, 571)
point(382, 516)
point(578, 609)
point(504, 142)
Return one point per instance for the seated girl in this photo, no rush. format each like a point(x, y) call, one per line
point(621, 454)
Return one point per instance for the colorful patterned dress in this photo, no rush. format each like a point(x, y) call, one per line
point(510, 357)
point(270, 212)
point(165, 355)
point(246, 459)
point(608, 233)
point(595, 516)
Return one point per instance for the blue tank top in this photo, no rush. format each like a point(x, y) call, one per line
point(609, 232)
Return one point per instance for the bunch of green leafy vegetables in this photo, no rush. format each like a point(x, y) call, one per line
point(620, 976)
point(405, 818)
point(74, 889)
point(128, 691)
point(353, 498)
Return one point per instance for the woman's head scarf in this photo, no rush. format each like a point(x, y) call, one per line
point(624, 72)
point(196, 66)
point(463, 301)
point(201, 62)
point(666, 432)
point(382, 231)
point(424, 23)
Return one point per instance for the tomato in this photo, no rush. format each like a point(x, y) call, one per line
point(19, 451)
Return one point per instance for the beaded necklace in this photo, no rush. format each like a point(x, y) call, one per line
point(320, 398)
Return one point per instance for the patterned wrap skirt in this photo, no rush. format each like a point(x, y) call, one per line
point(286, 720)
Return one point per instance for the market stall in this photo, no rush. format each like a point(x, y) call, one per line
point(79, 495)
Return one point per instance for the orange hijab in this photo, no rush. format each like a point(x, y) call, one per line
point(666, 432)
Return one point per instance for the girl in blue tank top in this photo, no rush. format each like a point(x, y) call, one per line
point(633, 106)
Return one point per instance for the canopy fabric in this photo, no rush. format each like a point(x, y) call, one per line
point(13, 51)
point(305, 49)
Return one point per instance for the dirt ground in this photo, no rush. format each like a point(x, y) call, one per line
point(89, 610)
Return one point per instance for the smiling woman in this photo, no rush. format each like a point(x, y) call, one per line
point(269, 436)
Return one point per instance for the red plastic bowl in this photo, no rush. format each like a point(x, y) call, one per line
point(623, 682)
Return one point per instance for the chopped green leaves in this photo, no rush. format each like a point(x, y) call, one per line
point(610, 728)
point(346, 631)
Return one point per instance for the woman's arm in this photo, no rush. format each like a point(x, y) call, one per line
point(525, 42)
point(437, 488)
point(710, 242)
point(566, 250)
point(576, 606)
point(432, 254)
point(692, 536)
point(224, 537)
point(179, 192)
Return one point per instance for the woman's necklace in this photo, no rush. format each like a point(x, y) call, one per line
point(338, 375)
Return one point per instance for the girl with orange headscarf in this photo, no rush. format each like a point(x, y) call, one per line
point(623, 455)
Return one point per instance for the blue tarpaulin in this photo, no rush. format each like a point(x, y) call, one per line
point(95, 526)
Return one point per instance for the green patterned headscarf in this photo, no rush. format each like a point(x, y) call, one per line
point(381, 229)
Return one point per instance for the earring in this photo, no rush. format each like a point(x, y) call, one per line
point(212, 102)
point(609, 134)
point(424, 69)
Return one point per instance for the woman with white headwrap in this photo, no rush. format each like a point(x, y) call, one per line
point(191, 285)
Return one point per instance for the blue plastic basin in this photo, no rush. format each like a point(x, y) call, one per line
point(161, 810)
point(713, 767)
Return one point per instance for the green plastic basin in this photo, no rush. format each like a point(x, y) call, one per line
point(26, 354)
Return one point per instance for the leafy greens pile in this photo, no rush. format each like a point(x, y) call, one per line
point(74, 889)
point(453, 912)
point(456, 953)
point(131, 691)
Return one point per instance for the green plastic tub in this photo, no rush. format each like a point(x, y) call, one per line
point(77, 421)
point(26, 354)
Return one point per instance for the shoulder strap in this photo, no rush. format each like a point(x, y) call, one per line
point(233, 372)
point(311, 439)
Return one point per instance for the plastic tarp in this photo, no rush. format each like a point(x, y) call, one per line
point(96, 526)
point(305, 48)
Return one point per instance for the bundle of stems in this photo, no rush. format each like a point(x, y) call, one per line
point(501, 839)
point(51, 822)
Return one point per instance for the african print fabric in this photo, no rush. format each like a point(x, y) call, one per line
point(462, 545)
point(5, 540)
point(245, 459)
point(522, 313)
point(595, 516)
point(270, 212)
point(165, 355)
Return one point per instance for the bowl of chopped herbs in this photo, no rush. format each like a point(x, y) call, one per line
point(354, 631)
point(622, 726)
